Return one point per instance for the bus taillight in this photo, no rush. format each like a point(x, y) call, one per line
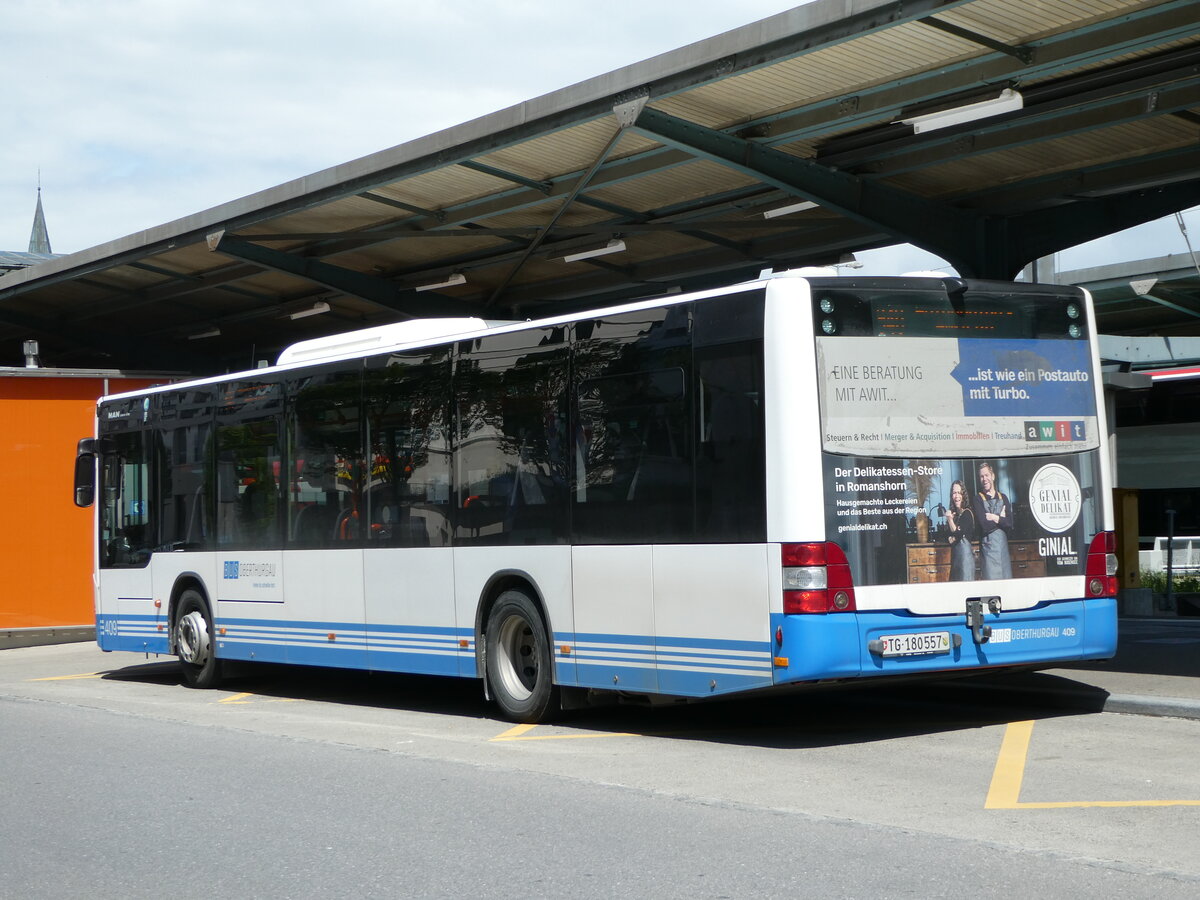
point(1100, 578)
point(816, 579)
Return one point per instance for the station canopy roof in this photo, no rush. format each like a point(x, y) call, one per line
point(856, 114)
point(1158, 296)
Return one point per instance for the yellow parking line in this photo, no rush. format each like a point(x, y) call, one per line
point(1005, 790)
point(1010, 767)
point(235, 699)
point(71, 677)
point(521, 733)
point(513, 733)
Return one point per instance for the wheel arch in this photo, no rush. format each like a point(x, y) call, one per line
point(505, 580)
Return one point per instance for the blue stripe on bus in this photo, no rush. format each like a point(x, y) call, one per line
point(337, 655)
point(683, 666)
point(348, 626)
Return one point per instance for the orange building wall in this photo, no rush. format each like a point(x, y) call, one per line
point(45, 540)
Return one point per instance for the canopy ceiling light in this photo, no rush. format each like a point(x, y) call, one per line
point(616, 245)
point(307, 310)
point(455, 278)
point(788, 210)
point(207, 333)
point(1008, 101)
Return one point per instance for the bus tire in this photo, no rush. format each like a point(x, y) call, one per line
point(520, 667)
point(194, 641)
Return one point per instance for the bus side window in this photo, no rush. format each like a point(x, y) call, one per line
point(249, 461)
point(730, 469)
point(324, 479)
point(633, 450)
point(183, 489)
point(406, 497)
point(511, 461)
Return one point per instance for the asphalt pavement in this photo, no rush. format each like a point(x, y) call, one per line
point(1156, 672)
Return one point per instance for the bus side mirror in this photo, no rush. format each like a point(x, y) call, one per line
point(85, 472)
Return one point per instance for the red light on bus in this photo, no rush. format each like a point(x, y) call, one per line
point(816, 579)
point(1100, 576)
point(812, 554)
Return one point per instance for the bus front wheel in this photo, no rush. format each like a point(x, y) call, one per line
point(520, 670)
point(194, 642)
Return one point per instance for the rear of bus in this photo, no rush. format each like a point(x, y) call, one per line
point(960, 477)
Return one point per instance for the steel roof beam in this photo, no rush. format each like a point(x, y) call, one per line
point(956, 235)
point(1024, 54)
point(625, 113)
point(1019, 238)
point(379, 291)
point(1121, 176)
point(124, 300)
point(1184, 300)
point(517, 231)
point(835, 238)
point(1176, 307)
point(435, 214)
point(543, 186)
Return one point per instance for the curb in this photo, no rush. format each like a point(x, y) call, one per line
point(39, 637)
point(1084, 697)
point(1139, 705)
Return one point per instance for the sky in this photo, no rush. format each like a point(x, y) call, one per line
point(139, 112)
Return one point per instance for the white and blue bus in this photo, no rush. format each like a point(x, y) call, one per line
point(792, 481)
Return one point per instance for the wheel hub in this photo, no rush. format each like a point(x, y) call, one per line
point(519, 662)
point(191, 638)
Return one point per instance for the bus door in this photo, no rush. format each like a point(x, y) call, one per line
point(126, 616)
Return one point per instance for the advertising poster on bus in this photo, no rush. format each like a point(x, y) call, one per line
point(907, 521)
point(959, 459)
point(944, 397)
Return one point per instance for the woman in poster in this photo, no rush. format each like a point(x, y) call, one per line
point(961, 522)
point(993, 513)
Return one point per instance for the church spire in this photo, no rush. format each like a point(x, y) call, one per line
point(39, 238)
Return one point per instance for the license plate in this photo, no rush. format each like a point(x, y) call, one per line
point(915, 642)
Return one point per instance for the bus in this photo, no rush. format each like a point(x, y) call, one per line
point(795, 481)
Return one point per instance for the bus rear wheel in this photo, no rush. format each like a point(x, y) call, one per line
point(520, 669)
point(194, 642)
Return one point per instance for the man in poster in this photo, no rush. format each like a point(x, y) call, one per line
point(993, 513)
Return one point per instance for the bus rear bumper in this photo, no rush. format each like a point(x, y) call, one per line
point(865, 644)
